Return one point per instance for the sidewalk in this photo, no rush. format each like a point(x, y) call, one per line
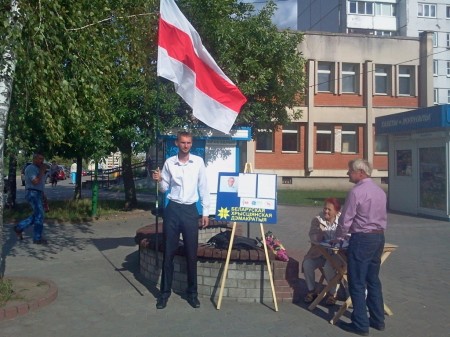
point(100, 291)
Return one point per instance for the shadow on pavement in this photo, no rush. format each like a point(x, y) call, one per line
point(130, 265)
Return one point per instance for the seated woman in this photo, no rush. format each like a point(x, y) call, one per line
point(323, 228)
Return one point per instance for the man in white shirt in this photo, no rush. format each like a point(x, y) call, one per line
point(73, 172)
point(184, 176)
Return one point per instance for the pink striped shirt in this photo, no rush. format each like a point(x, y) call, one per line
point(364, 209)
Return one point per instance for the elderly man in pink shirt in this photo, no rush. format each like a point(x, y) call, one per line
point(364, 216)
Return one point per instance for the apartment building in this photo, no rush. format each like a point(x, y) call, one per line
point(387, 18)
point(351, 79)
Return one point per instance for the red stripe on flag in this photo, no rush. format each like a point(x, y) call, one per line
point(179, 46)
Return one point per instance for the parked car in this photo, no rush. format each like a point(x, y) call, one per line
point(61, 175)
point(47, 175)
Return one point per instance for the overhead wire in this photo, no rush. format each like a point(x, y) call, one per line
point(370, 71)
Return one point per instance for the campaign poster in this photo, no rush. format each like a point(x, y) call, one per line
point(246, 197)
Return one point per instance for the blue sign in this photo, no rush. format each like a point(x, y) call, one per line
point(420, 119)
point(246, 197)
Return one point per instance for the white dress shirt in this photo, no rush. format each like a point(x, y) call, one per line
point(186, 181)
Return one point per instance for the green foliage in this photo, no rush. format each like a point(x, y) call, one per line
point(86, 79)
point(72, 211)
point(6, 291)
point(65, 71)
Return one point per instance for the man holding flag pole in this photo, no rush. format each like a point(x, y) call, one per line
point(214, 100)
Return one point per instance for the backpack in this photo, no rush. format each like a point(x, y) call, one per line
point(222, 241)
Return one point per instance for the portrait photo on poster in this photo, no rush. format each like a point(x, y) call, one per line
point(228, 184)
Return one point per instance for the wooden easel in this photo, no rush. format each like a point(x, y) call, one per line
point(248, 169)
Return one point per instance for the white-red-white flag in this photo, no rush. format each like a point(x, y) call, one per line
point(182, 59)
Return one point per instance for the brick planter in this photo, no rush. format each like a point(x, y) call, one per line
point(247, 279)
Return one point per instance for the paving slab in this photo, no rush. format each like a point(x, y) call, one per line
point(101, 293)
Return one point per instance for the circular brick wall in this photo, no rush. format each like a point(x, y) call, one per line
point(247, 277)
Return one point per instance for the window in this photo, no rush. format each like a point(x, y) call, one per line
point(349, 139)
point(381, 144)
point(349, 79)
point(325, 76)
point(426, 10)
point(384, 33)
point(324, 138)
point(448, 40)
point(264, 140)
point(448, 96)
point(404, 162)
point(382, 79)
point(384, 9)
point(432, 178)
point(365, 7)
point(435, 67)
point(405, 80)
point(448, 68)
point(435, 96)
point(290, 139)
point(352, 7)
point(435, 39)
point(360, 7)
point(447, 12)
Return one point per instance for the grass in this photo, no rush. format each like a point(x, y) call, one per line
point(72, 211)
point(6, 291)
point(308, 197)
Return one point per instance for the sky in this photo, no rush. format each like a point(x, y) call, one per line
point(286, 14)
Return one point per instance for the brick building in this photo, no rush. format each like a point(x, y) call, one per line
point(387, 18)
point(351, 79)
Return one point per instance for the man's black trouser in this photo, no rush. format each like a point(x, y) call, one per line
point(179, 218)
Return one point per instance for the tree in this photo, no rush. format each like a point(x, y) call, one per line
point(260, 59)
point(86, 81)
point(7, 70)
point(141, 104)
point(65, 74)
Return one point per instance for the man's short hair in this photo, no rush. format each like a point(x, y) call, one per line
point(361, 164)
point(37, 154)
point(184, 134)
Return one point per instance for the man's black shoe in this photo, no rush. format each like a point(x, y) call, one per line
point(194, 302)
point(379, 327)
point(40, 242)
point(18, 232)
point(161, 303)
point(349, 327)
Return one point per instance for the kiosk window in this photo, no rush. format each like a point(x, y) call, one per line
point(404, 162)
point(433, 178)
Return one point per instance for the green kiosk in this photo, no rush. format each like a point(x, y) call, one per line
point(419, 156)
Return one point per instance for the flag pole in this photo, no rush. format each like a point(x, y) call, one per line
point(156, 128)
point(156, 131)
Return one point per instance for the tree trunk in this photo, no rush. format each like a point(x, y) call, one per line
point(12, 181)
point(6, 81)
point(7, 68)
point(128, 181)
